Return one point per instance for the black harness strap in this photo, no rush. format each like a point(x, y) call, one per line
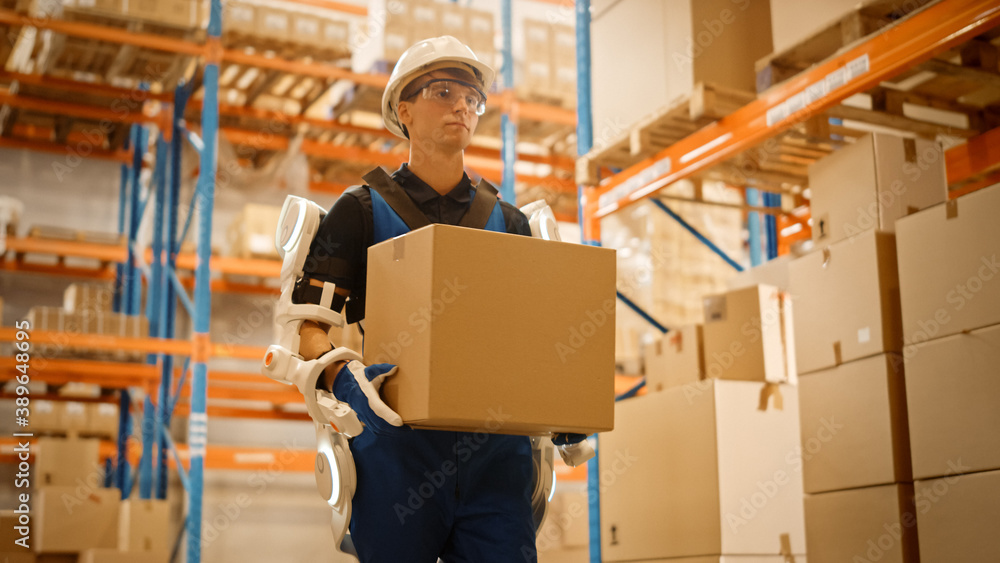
point(481, 207)
point(396, 197)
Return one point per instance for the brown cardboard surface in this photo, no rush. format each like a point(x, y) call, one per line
point(115, 556)
point(45, 416)
point(846, 302)
point(701, 470)
point(958, 518)
point(102, 419)
point(729, 559)
point(953, 397)
point(854, 428)
point(748, 335)
point(872, 183)
point(62, 461)
point(676, 358)
point(143, 525)
point(74, 417)
point(72, 519)
point(869, 524)
point(493, 331)
point(773, 272)
point(949, 267)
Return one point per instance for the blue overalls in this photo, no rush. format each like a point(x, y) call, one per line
point(424, 494)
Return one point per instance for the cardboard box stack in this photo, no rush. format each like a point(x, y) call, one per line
point(685, 42)
point(251, 234)
point(555, 373)
point(72, 519)
point(269, 27)
point(949, 270)
point(702, 471)
point(394, 25)
point(549, 63)
point(855, 443)
point(717, 434)
point(86, 310)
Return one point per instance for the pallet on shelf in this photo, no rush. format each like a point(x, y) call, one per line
point(678, 119)
point(867, 19)
point(62, 233)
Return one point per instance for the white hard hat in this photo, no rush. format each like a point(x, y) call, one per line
point(417, 60)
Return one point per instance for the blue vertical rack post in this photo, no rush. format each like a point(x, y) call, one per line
point(201, 343)
point(771, 224)
point(168, 299)
point(508, 128)
point(753, 227)
point(584, 140)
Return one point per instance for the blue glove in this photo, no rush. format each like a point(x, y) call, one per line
point(565, 438)
point(358, 386)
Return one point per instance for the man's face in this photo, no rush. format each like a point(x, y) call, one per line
point(439, 114)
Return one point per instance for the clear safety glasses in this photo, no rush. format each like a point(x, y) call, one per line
point(447, 91)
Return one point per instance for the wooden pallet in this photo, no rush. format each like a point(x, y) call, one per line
point(63, 233)
point(122, 65)
point(685, 115)
point(869, 18)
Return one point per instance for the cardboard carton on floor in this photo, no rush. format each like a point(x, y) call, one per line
point(949, 267)
point(874, 523)
point(63, 461)
point(872, 183)
point(958, 517)
point(854, 429)
point(72, 519)
point(952, 393)
point(676, 358)
point(702, 470)
point(846, 302)
point(492, 331)
point(748, 335)
point(143, 526)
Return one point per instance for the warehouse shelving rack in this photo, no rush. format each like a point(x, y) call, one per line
point(127, 264)
point(912, 41)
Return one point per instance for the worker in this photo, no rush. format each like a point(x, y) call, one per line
point(421, 494)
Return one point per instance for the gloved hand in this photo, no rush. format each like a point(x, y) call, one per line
point(574, 449)
point(358, 386)
point(565, 438)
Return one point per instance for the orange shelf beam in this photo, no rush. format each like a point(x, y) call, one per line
point(57, 148)
point(79, 249)
point(353, 9)
point(216, 457)
point(83, 111)
point(977, 157)
point(934, 30)
point(147, 345)
point(183, 47)
point(80, 87)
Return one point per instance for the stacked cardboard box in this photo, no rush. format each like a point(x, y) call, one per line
point(394, 25)
point(72, 519)
point(855, 443)
point(73, 324)
point(549, 62)
point(685, 42)
point(950, 288)
point(251, 234)
point(675, 359)
point(456, 277)
point(65, 461)
point(721, 455)
point(185, 14)
point(717, 434)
